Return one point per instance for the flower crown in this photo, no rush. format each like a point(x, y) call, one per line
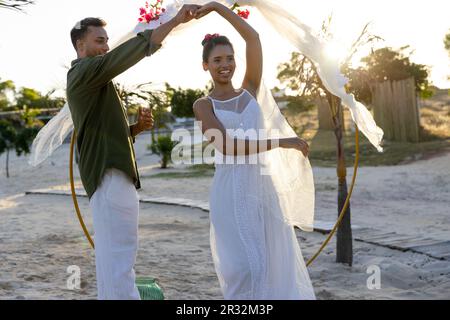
point(209, 37)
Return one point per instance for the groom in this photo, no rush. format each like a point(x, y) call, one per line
point(105, 139)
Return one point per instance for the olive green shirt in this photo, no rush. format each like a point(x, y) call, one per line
point(103, 133)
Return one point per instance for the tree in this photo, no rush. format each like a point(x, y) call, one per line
point(5, 88)
point(8, 136)
point(126, 96)
point(447, 42)
point(300, 75)
point(31, 98)
point(146, 94)
point(182, 100)
point(389, 64)
point(15, 4)
point(18, 134)
point(382, 65)
point(163, 147)
point(26, 98)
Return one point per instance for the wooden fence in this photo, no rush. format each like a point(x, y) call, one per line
point(396, 110)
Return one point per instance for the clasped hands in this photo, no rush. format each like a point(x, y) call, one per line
point(191, 11)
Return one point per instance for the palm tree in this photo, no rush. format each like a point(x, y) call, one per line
point(149, 95)
point(15, 4)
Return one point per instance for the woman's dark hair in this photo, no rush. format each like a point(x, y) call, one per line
point(81, 28)
point(211, 43)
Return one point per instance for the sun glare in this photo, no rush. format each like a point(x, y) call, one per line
point(336, 51)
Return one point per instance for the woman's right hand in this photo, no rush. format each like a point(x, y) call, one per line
point(295, 143)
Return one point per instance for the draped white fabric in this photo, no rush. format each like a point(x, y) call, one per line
point(301, 36)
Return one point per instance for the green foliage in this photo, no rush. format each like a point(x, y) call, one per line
point(5, 88)
point(359, 84)
point(299, 75)
point(12, 99)
point(8, 135)
point(31, 98)
point(298, 104)
point(179, 100)
point(18, 134)
point(163, 147)
point(387, 64)
point(447, 42)
point(147, 95)
point(182, 100)
point(24, 138)
point(28, 97)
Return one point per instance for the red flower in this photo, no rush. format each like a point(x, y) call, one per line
point(151, 12)
point(243, 14)
point(148, 17)
point(211, 36)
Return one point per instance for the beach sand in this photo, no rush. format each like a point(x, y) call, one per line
point(40, 236)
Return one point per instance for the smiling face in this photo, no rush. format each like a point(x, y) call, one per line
point(94, 43)
point(221, 64)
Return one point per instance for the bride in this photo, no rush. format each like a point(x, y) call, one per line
point(256, 254)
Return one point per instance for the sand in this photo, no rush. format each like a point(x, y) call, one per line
point(40, 236)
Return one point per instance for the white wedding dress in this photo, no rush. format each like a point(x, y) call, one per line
point(256, 255)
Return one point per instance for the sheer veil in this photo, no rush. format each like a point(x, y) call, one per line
point(290, 172)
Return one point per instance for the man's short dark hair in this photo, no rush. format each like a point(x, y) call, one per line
point(81, 28)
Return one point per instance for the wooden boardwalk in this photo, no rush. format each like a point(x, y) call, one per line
point(433, 248)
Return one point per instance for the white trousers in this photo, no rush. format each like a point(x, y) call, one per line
point(115, 210)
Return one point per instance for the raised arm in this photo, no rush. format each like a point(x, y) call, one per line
point(254, 56)
point(214, 131)
point(102, 69)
